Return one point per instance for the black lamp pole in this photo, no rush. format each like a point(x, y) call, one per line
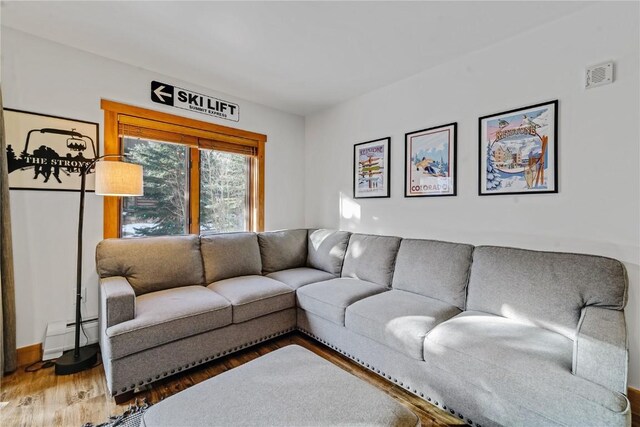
point(80, 358)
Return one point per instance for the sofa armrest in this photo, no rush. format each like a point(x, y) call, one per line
point(117, 300)
point(601, 350)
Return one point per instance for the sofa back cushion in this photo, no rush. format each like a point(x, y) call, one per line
point(371, 258)
point(152, 263)
point(547, 289)
point(283, 249)
point(326, 249)
point(230, 255)
point(434, 269)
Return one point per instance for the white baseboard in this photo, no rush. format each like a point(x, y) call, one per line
point(60, 337)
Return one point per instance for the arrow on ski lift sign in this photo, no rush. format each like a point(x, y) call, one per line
point(178, 97)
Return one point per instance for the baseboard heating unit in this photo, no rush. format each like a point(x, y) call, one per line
point(60, 335)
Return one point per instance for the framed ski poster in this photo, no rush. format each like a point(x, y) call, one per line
point(519, 151)
point(430, 162)
point(371, 169)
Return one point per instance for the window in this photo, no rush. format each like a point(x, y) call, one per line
point(224, 192)
point(198, 177)
point(164, 208)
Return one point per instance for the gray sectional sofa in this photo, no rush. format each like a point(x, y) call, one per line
point(494, 335)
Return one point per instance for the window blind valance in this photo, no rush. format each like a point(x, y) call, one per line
point(126, 130)
point(137, 127)
point(209, 144)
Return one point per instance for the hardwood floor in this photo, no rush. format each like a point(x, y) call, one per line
point(44, 399)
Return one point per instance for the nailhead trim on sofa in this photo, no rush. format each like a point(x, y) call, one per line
point(390, 378)
point(286, 331)
point(202, 360)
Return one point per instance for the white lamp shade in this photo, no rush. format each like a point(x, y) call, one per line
point(118, 179)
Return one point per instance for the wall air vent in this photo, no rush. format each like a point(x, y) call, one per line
point(599, 75)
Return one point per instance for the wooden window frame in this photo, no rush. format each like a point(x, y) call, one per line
point(117, 115)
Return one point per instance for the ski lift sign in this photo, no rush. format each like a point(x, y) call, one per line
point(47, 152)
point(174, 96)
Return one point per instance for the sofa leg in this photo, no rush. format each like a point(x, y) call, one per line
point(124, 397)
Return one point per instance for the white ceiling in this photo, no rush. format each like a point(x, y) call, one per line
point(299, 57)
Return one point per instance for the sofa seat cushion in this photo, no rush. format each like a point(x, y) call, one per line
point(169, 315)
point(297, 277)
point(330, 299)
point(398, 319)
point(518, 361)
point(254, 296)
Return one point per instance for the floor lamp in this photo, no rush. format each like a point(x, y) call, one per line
point(112, 179)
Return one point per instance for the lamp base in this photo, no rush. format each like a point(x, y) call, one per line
point(68, 364)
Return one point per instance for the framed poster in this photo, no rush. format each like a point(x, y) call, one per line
point(46, 152)
point(430, 162)
point(371, 169)
point(519, 151)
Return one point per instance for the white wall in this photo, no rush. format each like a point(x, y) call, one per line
point(598, 207)
point(49, 78)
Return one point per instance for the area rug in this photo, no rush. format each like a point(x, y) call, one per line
point(289, 387)
point(129, 418)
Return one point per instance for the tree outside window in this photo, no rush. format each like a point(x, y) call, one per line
point(164, 208)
